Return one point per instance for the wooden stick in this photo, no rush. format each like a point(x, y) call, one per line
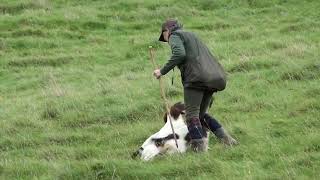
point(163, 94)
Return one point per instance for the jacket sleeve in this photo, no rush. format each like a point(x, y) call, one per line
point(178, 54)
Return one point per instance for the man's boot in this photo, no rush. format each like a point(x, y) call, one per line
point(224, 137)
point(211, 123)
point(196, 135)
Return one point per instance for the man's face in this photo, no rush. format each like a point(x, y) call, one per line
point(166, 35)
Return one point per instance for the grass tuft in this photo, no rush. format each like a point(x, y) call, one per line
point(94, 25)
point(16, 8)
point(276, 44)
point(29, 32)
point(51, 111)
point(246, 66)
point(309, 72)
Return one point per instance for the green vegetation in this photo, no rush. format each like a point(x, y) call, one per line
point(77, 96)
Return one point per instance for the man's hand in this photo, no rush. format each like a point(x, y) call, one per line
point(157, 73)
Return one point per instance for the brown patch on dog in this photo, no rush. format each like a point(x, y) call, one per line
point(175, 111)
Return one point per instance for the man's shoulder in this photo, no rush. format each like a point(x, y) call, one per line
point(180, 31)
point(184, 33)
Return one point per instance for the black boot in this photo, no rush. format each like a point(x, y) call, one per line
point(196, 135)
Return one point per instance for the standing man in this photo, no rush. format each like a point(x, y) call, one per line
point(201, 76)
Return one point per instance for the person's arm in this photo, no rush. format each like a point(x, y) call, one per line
point(178, 54)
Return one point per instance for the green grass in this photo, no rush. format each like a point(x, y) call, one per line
point(77, 96)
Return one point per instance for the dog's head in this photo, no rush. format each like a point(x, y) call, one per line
point(175, 111)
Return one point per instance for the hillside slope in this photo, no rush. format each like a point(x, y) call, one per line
point(78, 96)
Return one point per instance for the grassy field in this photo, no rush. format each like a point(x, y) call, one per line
point(77, 95)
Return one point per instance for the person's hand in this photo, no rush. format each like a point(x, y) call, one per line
point(157, 73)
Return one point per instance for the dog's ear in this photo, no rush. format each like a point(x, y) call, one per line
point(165, 117)
point(177, 109)
point(175, 112)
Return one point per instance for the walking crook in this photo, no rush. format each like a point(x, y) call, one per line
point(151, 49)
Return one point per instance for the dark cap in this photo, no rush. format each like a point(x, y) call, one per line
point(170, 25)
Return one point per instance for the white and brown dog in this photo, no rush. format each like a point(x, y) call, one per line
point(163, 141)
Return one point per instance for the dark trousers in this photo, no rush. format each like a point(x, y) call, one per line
point(197, 102)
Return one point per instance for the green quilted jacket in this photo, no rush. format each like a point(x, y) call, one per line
point(198, 67)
